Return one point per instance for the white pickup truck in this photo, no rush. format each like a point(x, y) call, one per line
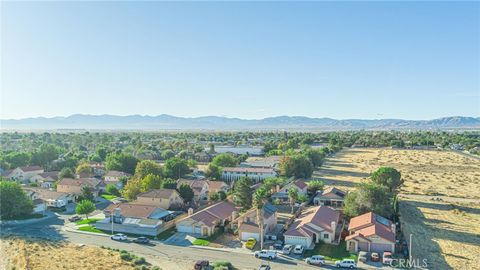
point(267, 254)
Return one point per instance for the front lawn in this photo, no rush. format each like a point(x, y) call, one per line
point(331, 252)
point(109, 197)
point(166, 234)
point(90, 228)
point(87, 221)
point(201, 242)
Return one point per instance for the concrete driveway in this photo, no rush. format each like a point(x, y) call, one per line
point(180, 239)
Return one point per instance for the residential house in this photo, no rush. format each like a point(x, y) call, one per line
point(262, 162)
point(216, 186)
point(75, 186)
point(248, 226)
point(315, 224)
point(231, 174)
point(372, 233)
point(206, 220)
point(239, 150)
point(23, 174)
point(45, 179)
point(114, 177)
point(52, 198)
point(163, 198)
point(98, 169)
point(136, 219)
point(199, 187)
point(332, 196)
point(39, 205)
point(203, 157)
point(300, 185)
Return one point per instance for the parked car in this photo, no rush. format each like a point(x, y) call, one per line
point(74, 218)
point(287, 249)
point(346, 263)
point(278, 245)
point(387, 258)
point(141, 240)
point(250, 244)
point(267, 254)
point(264, 267)
point(315, 259)
point(199, 265)
point(363, 256)
point(119, 237)
point(298, 249)
point(375, 257)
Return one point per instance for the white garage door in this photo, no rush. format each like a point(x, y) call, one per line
point(246, 235)
point(184, 228)
point(297, 241)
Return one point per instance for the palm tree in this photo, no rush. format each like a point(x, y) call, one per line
point(259, 198)
point(293, 197)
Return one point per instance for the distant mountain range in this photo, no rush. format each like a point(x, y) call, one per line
point(168, 122)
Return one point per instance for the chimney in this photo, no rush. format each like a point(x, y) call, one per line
point(333, 225)
point(394, 228)
point(190, 211)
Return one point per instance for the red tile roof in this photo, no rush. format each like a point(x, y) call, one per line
point(300, 184)
point(132, 210)
point(214, 213)
point(372, 224)
point(321, 216)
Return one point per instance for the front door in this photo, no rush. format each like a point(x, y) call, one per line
point(205, 231)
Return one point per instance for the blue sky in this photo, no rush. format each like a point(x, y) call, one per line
point(411, 60)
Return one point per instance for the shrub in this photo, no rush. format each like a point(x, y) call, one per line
point(126, 256)
point(222, 265)
point(139, 261)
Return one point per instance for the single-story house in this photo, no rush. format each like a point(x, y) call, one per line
point(39, 205)
point(216, 186)
point(22, 174)
point(262, 162)
point(315, 224)
point(75, 186)
point(248, 226)
point(136, 219)
point(45, 179)
point(199, 187)
point(113, 177)
point(163, 198)
point(98, 169)
point(300, 185)
point(332, 196)
point(52, 198)
point(206, 220)
point(372, 233)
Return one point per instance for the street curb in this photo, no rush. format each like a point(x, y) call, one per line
point(221, 249)
point(90, 233)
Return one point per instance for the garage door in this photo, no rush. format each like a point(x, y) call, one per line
point(297, 241)
point(245, 235)
point(184, 228)
point(380, 248)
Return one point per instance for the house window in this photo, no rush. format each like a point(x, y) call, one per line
point(325, 236)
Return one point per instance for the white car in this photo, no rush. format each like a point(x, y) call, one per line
point(287, 249)
point(119, 237)
point(298, 249)
point(267, 254)
point(346, 263)
point(315, 259)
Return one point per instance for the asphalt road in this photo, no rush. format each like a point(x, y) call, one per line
point(178, 257)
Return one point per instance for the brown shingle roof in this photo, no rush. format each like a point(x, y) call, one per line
point(132, 210)
point(158, 193)
point(31, 168)
point(321, 216)
point(92, 182)
point(214, 213)
point(372, 224)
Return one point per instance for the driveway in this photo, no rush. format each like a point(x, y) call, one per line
point(180, 239)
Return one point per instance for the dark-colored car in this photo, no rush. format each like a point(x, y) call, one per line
point(141, 240)
point(199, 265)
point(375, 257)
point(278, 245)
point(74, 218)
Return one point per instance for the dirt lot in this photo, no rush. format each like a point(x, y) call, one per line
point(28, 254)
point(440, 198)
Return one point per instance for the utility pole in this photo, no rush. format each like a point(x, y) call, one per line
point(111, 217)
point(410, 249)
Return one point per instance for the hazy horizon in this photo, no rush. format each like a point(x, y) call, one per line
point(252, 60)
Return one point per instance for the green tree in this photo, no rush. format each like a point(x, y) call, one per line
point(84, 168)
point(44, 155)
point(186, 192)
point(314, 186)
point(66, 173)
point(213, 197)
point(296, 165)
point(369, 197)
point(167, 154)
point(259, 198)
point(87, 193)
point(292, 197)
point(387, 177)
point(85, 207)
point(17, 159)
point(151, 181)
point(225, 160)
point(243, 192)
point(146, 167)
point(222, 195)
point(13, 201)
point(112, 190)
point(214, 172)
point(121, 162)
point(176, 167)
point(132, 189)
point(102, 152)
point(315, 156)
point(169, 183)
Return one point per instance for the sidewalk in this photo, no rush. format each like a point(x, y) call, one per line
point(234, 250)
